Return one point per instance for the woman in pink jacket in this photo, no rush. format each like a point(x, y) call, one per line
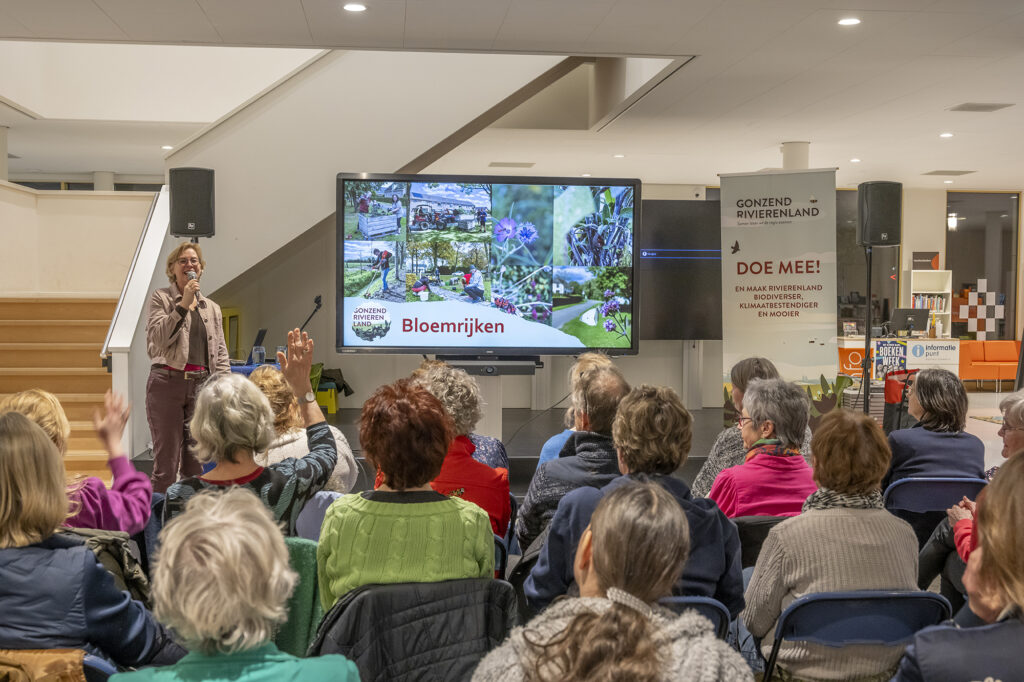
point(126, 506)
point(774, 479)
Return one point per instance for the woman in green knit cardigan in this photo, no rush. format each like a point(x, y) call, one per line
point(403, 531)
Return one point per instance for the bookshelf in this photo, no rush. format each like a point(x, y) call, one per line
point(933, 290)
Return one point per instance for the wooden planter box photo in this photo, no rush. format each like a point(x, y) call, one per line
point(378, 225)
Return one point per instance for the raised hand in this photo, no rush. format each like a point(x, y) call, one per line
point(109, 424)
point(297, 361)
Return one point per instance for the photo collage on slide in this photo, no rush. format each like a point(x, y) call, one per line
point(553, 255)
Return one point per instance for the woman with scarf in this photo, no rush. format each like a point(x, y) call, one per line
point(774, 479)
point(844, 540)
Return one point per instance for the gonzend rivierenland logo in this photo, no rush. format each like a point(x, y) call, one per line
point(371, 321)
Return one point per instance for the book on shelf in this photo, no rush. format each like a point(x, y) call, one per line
point(935, 302)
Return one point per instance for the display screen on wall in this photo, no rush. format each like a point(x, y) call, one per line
point(486, 265)
point(679, 270)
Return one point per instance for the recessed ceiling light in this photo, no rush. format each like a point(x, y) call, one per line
point(618, 156)
point(854, 160)
point(354, 7)
point(849, 21)
point(945, 134)
point(167, 147)
point(585, 175)
point(947, 182)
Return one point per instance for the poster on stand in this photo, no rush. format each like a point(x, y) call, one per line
point(779, 271)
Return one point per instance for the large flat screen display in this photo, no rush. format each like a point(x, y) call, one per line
point(486, 265)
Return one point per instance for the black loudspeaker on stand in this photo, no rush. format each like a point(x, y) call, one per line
point(879, 221)
point(192, 212)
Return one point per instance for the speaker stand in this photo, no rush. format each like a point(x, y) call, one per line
point(865, 379)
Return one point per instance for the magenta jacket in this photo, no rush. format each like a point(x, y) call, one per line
point(766, 485)
point(125, 507)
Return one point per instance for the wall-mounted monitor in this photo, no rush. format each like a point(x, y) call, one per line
point(486, 265)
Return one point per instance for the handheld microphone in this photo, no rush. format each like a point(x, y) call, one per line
point(191, 275)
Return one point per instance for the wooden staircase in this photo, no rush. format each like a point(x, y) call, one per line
point(54, 344)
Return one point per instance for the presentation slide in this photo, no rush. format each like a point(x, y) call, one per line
point(471, 265)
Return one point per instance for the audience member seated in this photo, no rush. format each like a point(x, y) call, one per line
point(774, 480)
point(53, 592)
point(652, 433)
point(222, 582)
point(937, 445)
point(628, 557)
point(126, 506)
point(588, 457)
point(843, 540)
point(233, 421)
point(985, 642)
point(583, 364)
point(488, 450)
point(290, 440)
point(948, 547)
point(461, 475)
point(728, 449)
point(404, 531)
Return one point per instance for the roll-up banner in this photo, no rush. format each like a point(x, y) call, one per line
point(779, 271)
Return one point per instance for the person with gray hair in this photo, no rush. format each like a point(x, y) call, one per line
point(728, 449)
point(588, 457)
point(234, 422)
point(774, 479)
point(937, 445)
point(221, 583)
point(461, 474)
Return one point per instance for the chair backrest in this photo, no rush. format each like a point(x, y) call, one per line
point(838, 619)
point(500, 556)
point(931, 493)
point(712, 609)
point(418, 631)
point(752, 531)
point(511, 531)
point(304, 609)
point(311, 517)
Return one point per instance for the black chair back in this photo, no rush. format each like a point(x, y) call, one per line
point(753, 531)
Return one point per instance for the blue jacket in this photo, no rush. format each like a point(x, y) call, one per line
point(55, 595)
point(919, 452)
point(713, 570)
point(552, 446)
point(946, 653)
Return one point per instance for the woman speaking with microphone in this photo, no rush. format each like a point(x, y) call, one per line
point(185, 341)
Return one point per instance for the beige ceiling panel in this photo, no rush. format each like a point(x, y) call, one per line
point(259, 22)
point(382, 25)
point(656, 25)
point(454, 24)
point(63, 19)
point(161, 21)
point(11, 27)
point(734, 29)
point(561, 26)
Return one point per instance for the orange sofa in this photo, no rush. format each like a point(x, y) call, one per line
point(989, 360)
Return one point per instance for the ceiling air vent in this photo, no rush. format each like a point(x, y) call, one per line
point(951, 173)
point(511, 164)
point(981, 107)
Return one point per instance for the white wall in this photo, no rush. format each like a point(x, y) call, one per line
point(68, 243)
point(277, 159)
point(924, 229)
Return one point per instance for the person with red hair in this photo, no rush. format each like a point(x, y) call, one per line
point(403, 531)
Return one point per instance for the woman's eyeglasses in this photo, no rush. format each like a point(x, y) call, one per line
point(740, 421)
point(188, 261)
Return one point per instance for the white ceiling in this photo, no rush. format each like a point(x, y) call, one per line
point(765, 72)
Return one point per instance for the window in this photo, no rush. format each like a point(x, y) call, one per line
point(981, 244)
